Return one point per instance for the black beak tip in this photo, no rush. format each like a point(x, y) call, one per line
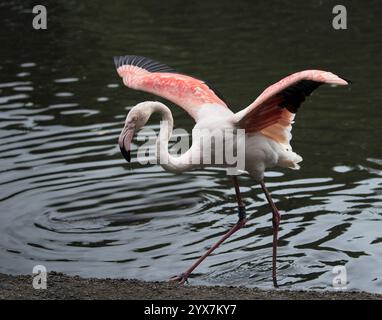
point(126, 154)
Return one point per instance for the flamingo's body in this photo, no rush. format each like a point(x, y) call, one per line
point(267, 123)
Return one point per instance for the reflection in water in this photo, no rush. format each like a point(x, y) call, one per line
point(69, 201)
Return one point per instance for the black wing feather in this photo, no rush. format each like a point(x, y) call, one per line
point(294, 95)
point(142, 62)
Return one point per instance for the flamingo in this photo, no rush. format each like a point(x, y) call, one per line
point(267, 123)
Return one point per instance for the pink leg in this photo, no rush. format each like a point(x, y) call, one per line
point(242, 219)
point(275, 222)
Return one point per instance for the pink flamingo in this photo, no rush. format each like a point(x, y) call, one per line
point(267, 123)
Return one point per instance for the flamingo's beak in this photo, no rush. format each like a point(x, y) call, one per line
point(124, 142)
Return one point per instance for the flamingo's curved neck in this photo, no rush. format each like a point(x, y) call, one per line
point(165, 159)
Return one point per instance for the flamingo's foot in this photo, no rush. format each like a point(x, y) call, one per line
point(181, 279)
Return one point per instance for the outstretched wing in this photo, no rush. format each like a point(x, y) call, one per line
point(144, 74)
point(272, 113)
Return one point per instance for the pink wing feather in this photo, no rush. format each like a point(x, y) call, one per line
point(147, 75)
point(272, 113)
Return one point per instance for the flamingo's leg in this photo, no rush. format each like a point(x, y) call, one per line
point(275, 222)
point(240, 223)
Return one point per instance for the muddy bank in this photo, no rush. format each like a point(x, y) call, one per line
point(61, 286)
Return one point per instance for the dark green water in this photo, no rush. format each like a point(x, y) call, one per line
point(70, 202)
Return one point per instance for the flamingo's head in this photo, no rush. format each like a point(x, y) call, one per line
point(135, 120)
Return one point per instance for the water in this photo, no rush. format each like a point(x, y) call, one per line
point(69, 201)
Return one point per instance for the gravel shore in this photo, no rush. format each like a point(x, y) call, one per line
point(61, 286)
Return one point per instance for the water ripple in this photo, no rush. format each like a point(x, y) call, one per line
point(69, 201)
